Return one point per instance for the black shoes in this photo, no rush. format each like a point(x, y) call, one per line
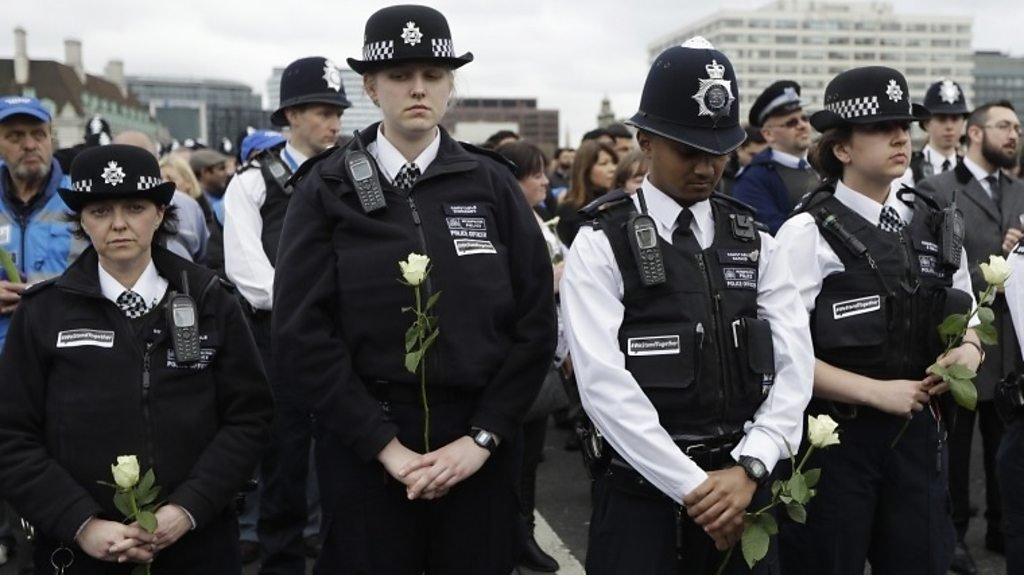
point(535, 559)
point(963, 562)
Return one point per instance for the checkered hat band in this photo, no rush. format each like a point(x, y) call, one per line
point(854, 107)
point(442, 47)
point(147, 182)
point(82, 185)
point(376, 51)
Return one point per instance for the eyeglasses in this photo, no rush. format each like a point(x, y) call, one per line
point(1006, 126)
point(792, 122)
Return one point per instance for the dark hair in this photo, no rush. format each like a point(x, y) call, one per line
point(595, 134)
point(581, 189)
point(754, 135)
point(979, 115)
point(823, 159)
point(558, 151)
point(630, 165)
point(168, 228)
point(618, 130)
point(528, 158)
point(493, 140)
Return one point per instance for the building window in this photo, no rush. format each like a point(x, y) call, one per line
point(891, 41)
point(785, 54)
point(785, 24)
point(759, 23)
point(864, 41)
point(838, 41)
point(865, 56)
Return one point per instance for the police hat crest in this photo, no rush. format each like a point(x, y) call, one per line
point(115, 171)
point(313, 80)
point(399, 34)
point(865, 96)
point(946, 97)
point(691, 96)
point(782, 97)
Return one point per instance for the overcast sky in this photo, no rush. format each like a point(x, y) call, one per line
point(566, 53)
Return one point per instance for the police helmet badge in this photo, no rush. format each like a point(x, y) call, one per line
point(894, 91)
point(948, 91)
point(332, 75)
point(112, 174)
point(714, 96)
point(411, 34)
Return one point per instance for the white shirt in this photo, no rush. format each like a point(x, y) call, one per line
point(813, 258)
point(936, 158)
point(789, 161)
point(245, 262)
point(980, 174)
point(1014, 292)
point(390, 160)
point(591, 294)
point(150, 285)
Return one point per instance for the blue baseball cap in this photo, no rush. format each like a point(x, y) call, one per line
point(13, 105)
point(260, 140)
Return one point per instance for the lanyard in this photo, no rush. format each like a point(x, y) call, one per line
point(292, 164)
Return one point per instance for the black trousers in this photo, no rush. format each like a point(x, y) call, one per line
point(960, 440)
point(371, 527)
point(534, 433)
point(213, 549)
point(1010, 465)
point(636, 529)
point(284, 469)
point(888, 506)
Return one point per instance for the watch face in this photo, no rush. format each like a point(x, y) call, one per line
point(758, 468)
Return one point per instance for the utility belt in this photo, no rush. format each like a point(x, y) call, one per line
point(1009, 398)
point(404, 393)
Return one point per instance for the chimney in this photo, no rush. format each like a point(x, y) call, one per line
point(20, 56)
point(114, 71)
point(73, 57)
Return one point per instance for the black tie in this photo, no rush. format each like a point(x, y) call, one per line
point(683, 238)
point(889, 220)
point(131, 304)
point(407, 176)
point(995, 184)
point(945, 164)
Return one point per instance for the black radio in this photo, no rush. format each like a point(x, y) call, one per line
point(183, 319)
point(952, 234)
point(364, 178)
point(642, 233)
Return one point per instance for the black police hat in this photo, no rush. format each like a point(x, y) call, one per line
point(946, 97)
point(781, 97)
point(865, 96)
point(691, 96)
point(115, 171)
point(97, 131)
point(405, 33)
point(313, 80)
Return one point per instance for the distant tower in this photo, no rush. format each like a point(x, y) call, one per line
point(605, 116)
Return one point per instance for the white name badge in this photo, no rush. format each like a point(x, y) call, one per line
point(467, 247)
point(653, 346)
point(85, 337)
point(855, 307)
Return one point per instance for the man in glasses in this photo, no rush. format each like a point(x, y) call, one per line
point(992, 203)
point(780, 175)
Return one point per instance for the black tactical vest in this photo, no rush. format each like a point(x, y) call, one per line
point(275, 205)
point(879, 317)
point(694, 343)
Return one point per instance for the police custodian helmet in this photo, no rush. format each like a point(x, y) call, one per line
point(407, 33)
point(691, 96)
point(946, 97)
point(115, 171)
point(865, 96)
point(313, 80)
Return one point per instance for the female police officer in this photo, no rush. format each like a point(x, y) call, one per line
point(97, 365)
point(878, 277)
point(339, 329)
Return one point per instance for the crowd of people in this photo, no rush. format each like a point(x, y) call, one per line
point(349, 348)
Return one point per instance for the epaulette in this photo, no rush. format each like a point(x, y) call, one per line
point(813, 197)
point(38, 287)
point(730, 201)
point(227, 285)
point(592, 208)
point(472, 148)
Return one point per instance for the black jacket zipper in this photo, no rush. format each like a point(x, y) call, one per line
point(145, 405)
point(716, 337)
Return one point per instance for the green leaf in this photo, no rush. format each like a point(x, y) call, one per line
point(953, 326)
point(986, 315)
point(140, 570)
point(811, 477)
point(148, 479)
point(964, 393)
point(938, 370)
point(432, 300)
point(797, 512)
point(776, 487)
point(798, 488)
point(412, 360)
point(147, 520)
point(410, 338)
point(122, 504)
point(987, 334)
point(754, 544)
point(767, 521)
point(960, 372)
point(149, 497)
point(785, 498)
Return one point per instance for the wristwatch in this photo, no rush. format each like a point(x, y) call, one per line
point(484, 439)
point(755, 469)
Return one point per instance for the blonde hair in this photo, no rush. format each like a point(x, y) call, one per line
point(189, 184)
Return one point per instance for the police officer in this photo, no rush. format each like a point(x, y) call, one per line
point(945, 100)
point(96, 367)
point(1010, 401)
point(391, 503)
point(676, 371)
point(877, 276)
point(778, 177)
point(312, 102)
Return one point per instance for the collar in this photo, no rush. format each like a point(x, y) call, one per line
point(935, 158)
point(7, 194)
point(150, 285)
point(292, 157)
point(391, 160)
point(978, 172)
point(665, 211)
point(867, 208)
point(788, 160)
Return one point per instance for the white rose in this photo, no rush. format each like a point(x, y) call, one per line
point(414, 270)
point(821, 431)
point(126, 472)
point(996, 271)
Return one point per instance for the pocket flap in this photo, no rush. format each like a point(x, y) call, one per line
point(850, 320)
point(661, 355)
point(760, 347)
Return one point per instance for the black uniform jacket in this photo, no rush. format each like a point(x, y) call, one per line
point(338, 322)
point(75, 394)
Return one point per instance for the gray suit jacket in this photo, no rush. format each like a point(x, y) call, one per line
point(986, 226)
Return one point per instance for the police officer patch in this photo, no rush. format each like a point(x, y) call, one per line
point(949, 92)
point(714, 96)
point(332, 76)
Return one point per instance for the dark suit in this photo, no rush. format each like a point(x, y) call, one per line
point(987, 224)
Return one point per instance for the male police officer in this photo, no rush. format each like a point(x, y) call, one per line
point(945, 100)
point(778, 177)
point(678, 322)
point(312, 101)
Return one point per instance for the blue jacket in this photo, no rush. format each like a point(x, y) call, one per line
point(42, 245)
point(761, 187)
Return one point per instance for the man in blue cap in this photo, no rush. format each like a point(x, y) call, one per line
point(692, 353)
point(312, 102)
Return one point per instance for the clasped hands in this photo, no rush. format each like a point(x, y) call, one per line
point(432, 475)
point(719, 504)
point(117, 542)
